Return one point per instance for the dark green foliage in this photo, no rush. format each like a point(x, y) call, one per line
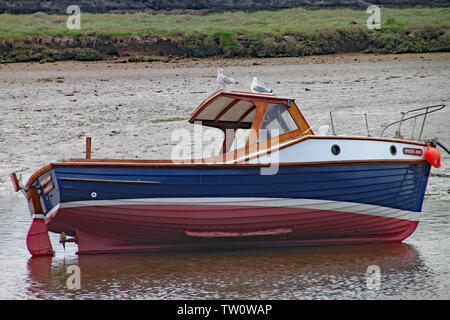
point(41, 53)
point(29, 53)
point(87, 54)
point(199, 45)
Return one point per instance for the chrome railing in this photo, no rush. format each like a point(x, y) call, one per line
point(425, 111)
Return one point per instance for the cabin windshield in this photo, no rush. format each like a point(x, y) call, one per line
point(277, 121)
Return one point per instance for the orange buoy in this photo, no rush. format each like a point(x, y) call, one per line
point(433, 156)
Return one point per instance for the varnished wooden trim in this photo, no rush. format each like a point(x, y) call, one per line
point(231, 165)
point(88, 147)
point(113, 181)
point(350, 138)
point(225, 110)
point(247, 96)
point(299, 119)
point(194, 164)
point(260, 97)
point(349, 163)
point(250, 110)
point(261, 109)
point(226, 124)
point(35, 200)
point(15, 181)
point(204, 104)
point(119, 160)
point(393, 140)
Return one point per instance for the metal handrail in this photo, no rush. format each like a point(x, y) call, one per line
point(435, 108)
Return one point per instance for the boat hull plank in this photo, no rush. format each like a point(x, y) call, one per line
point(139, 227)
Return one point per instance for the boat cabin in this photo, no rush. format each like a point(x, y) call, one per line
point(250, 121)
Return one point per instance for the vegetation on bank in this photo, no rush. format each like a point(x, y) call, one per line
point(290, 32)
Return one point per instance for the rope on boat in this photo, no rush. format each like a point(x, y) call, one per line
point(315, 124)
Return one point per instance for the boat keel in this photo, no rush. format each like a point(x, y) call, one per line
point(38, 241)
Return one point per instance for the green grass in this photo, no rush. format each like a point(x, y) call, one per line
point(226, 25)
point(290, 32)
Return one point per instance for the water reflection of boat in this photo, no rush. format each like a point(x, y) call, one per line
point(291, 187)
point(346, 258)
point(287, 272)
point(39, 268)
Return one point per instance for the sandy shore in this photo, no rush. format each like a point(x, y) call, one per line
point(131, 109)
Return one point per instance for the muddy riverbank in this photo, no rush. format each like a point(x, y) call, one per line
point(143, 48)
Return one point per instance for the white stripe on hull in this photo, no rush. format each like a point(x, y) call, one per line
point(311, 204)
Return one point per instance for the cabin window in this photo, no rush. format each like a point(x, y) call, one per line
point(277, 118)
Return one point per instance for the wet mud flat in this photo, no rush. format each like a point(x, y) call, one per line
point(131, 110)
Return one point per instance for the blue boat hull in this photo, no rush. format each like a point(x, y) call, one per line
point(399, 186)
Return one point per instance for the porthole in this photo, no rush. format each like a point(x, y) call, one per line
point(335, 149)
point(393, 150)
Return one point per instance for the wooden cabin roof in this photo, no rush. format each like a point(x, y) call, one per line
point(233, 109)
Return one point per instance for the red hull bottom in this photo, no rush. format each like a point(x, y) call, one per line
point(131, 228)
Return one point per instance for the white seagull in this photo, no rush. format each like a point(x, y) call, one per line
point(259, 89)
point(222, 80)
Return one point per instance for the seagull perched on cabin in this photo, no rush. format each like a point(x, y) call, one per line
point(222, 80)
point(258, 88)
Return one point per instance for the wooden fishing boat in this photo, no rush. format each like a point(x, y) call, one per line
point(285, 185)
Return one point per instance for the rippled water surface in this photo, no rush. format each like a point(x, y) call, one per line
point(48, 110)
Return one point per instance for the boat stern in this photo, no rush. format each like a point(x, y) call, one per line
point(42, 195)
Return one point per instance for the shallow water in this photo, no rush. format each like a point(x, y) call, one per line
point(47, 111)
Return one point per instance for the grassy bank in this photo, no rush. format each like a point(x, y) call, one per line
point(290, 32)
